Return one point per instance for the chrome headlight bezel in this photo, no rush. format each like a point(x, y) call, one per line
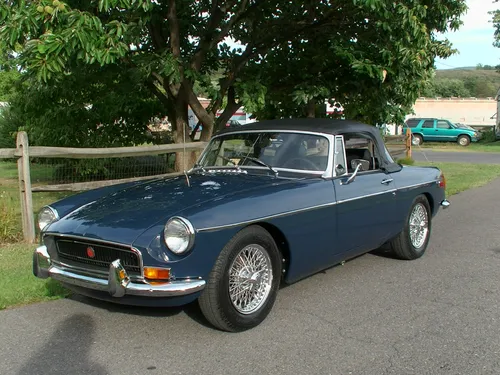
point(46, 216)
point(179, 229)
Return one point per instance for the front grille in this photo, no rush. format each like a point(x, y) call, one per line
point(76, 253)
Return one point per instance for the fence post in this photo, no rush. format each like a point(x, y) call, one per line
point(23, 170)
point(408, 143)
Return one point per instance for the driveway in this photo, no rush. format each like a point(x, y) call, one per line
point(422, 154)
point(374, 315)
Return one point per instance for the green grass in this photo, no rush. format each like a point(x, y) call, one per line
point(39, 173)
point(452, 146)
point(464, 176)
point(18, 285)
point(10, 211)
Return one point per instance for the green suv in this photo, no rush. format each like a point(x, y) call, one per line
point(439, 130)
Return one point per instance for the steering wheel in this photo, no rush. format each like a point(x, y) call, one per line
point(226, 159)
point(306, 161)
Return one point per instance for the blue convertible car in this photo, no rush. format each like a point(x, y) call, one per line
point(271, 202)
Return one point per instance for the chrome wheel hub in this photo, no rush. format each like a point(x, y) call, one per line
point(419, 225)
point(250, 279)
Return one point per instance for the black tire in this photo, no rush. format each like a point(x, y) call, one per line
point(417, 140)
point(215, 301)
point(463, 140)
point(402, 246)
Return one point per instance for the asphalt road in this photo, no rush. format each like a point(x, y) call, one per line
point(374, 315)
point(456, 156)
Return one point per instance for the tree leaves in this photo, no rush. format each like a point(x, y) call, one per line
point(280, 57)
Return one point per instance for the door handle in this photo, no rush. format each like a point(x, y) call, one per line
point(387, 181)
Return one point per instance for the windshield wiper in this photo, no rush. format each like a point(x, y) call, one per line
point(258, 161)
point(196, 167)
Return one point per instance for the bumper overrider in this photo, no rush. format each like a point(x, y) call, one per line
point(118, 283)
point(445, 203)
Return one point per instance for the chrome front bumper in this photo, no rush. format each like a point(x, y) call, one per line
point(118, 283)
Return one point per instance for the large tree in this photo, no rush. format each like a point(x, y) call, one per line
point(306, 51)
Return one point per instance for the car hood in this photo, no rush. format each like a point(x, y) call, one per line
point(122, 216)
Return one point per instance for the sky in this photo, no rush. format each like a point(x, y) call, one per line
point(474, 38)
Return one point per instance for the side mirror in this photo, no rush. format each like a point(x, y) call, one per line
point(353, 176)
point(365, 164)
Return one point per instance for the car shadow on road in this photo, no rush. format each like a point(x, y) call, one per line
point(192, 310)
point(67, 350)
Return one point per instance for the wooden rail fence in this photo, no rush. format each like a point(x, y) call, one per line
point(397, 145)
point(23, 152)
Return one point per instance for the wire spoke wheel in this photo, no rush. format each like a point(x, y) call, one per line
point(419, 225)
point(250, 279)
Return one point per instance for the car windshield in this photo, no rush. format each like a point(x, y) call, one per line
point(269, 150)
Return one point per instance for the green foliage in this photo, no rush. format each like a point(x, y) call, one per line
point(9, 125)
point(486, 67)
point(293, 55)
point(447, 88)
point(405, 161)
point(93, 107)
point(347, 67)
point(488, 136)
point(496, 24)
point(8, 78)
point(479, 83)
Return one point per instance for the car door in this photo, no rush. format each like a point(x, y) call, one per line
point(444, 131)
point(366, 205)
point(429, 130)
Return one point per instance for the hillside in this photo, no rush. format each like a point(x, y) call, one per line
point(464, 82)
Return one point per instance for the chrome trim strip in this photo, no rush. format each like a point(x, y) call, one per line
point(217, 227)
point(303, 171)
point(417, 185)
point(281, 214)
point(82, 238)
point(366, 196)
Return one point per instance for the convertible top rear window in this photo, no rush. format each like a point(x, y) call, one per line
point(279, 150)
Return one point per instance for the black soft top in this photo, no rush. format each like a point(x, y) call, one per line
point(322, 125)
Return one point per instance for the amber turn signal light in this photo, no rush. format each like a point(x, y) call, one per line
point(122, 274)
point(154, 273)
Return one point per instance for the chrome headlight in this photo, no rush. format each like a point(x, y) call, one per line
point(179, 235)
point(47, 216)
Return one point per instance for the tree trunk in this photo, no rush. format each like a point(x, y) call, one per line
point(184, 160)
point(311, 108)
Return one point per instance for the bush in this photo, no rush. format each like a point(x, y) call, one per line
point(8, 129)
point(69, 171)
point(405, 161)
point(488, 136)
